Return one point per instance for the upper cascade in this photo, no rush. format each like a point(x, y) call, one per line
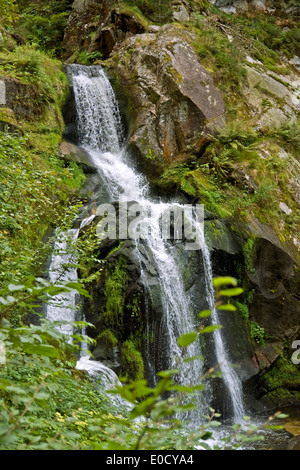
point(100, 133)
point(99, 122)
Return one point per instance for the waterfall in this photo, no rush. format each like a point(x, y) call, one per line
point(62, 307)
point(229, 375)
point(101, 134)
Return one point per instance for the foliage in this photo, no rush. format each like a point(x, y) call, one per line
point(30, 66)
point(219, 56)
point(8, 12)
point(157, 12)
point(270, 36)
point(114, 292)
point(235, 142)
point(249, 250)
point(29, 187)
point(257, 333)
point(47, 404)
point(288, 134)
point(88, 58)
point(43, 23)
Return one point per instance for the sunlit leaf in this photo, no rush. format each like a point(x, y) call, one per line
point(187, 339)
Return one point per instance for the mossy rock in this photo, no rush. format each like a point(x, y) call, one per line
point(284, 374)
point(219, 237)
point(7, 116)
point(131, 361)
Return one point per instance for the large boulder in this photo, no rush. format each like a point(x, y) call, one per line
point(171, 98)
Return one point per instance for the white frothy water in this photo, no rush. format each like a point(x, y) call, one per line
point(229, 375)
point(101, 134)
point(62, 307)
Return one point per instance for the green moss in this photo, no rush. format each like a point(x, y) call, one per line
point(7, 116)
point(113, 250)
point(151, 10)
point(249, 250)
point(115, 293)
point(283, 375)
point(136, 13)
point(135, 307)
point(108, 338)
point(131, 361)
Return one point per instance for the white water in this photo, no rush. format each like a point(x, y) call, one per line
point(101, 134)
point(229, 375)
point(63, 306)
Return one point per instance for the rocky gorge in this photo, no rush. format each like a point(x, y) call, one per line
point(171, 106)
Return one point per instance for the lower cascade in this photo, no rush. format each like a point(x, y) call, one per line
point(101, 135)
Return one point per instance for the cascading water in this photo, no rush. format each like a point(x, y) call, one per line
point(101, 135)
point(62, 307)
point(230, 378)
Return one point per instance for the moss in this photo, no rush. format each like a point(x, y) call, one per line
point(7, 116)
point(150, 10)
point(113, 250)
point(115, 293)
point(249, 250)
point(131, 361)
point(284, 375)
point(151, 154)
point(136, 13)
point(108, 338)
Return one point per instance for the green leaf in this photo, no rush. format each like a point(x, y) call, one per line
point(187, 339)
point(143, 407)
point(228, 307)
point(206, 435)
point(78, 287)
point(193, 358)
point(168, 373)
point(40, 349)
point(225, 280)
point(231, 292)
point(4, 383)
point(210, 329)
point(282, 416)
point(205, 313)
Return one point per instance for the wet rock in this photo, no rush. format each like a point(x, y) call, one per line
point(289, 444)
point(98, 27)
point(171, 98)
point(71, 153)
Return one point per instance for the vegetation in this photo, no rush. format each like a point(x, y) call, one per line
point(37, 367)
point(45, 402)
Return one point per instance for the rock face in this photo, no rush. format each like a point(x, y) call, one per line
point(268, 6)
point(103, 27)
point(171, 98)
point(260, 84)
